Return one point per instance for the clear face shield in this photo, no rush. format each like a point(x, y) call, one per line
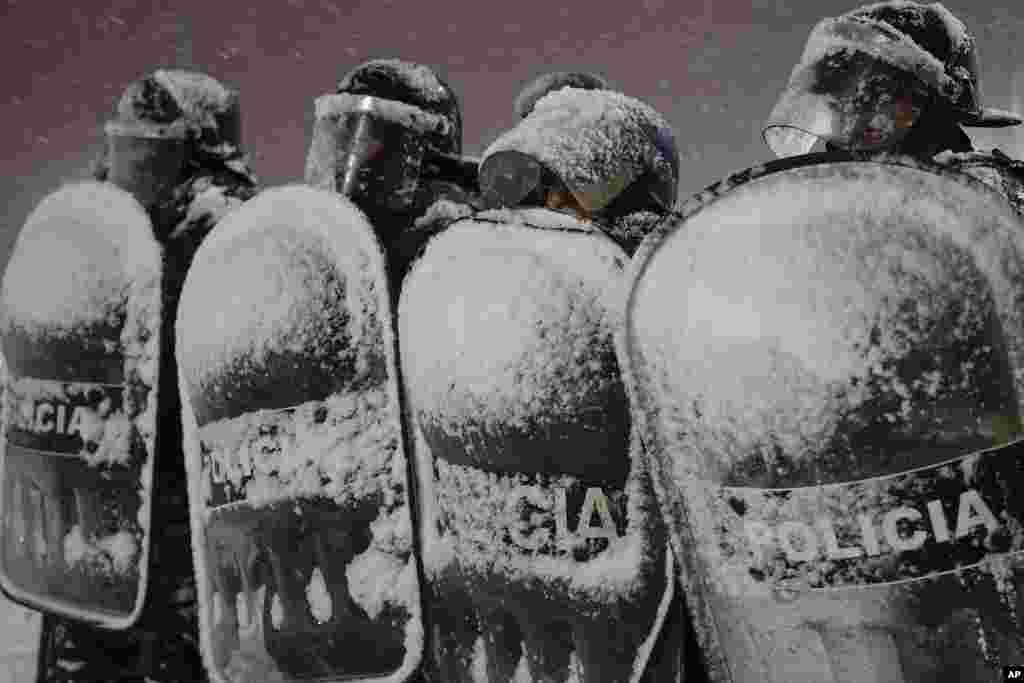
point(371, 149)
point(847, 97)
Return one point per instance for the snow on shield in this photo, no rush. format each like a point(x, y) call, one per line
point(81, 339)
point(297, 477)
point(541, 542)
point(825, 361)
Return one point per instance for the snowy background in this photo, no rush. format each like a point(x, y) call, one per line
point(712, 67)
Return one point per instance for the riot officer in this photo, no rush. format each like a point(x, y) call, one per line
point(390, 139)
point(898, 77)
point(175, 145)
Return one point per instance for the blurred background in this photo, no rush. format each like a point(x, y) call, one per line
point(713, 68)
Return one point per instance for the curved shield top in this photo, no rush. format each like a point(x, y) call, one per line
point(541, 543)
point(81, 340)
point(825, 361)
point(301, 529)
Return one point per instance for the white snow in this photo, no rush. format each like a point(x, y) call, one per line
point(414, 118)
point(376, 578)
point(844, 34)
point(826, 280)
point(545, 219)
point(596, 141)
point(114, 554)
point(420, 78)
point(295, 265)
point(499, 368)
point(442, 210)
point(276, 612)
point(318, 597)
point(76, 258)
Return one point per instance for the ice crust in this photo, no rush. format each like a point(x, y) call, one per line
point(308, 278)
point(754, 337)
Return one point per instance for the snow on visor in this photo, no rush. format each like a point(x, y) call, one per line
point(370, 148)
point(829, 433)
point(594, 143)
point(81, 340)
point(301, 527)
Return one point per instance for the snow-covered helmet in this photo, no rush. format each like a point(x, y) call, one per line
point(165, 123)
point(371, 138)
point(868, 76)
point(556, 80)
point(596, 151)
point(205, 107)
point(415, 85)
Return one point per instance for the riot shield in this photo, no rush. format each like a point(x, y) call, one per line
point(299, 503)
point(825, 361)
point(542, 547)
point(81, 340)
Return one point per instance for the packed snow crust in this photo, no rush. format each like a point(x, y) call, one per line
point(307, 276)
point(85, 265)
point(596, 141)
point(558, 282)
point(542, 85)
point(851, 313)
point(295, 267)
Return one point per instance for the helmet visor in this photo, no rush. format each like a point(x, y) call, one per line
point(377, 160)
point(375, 148)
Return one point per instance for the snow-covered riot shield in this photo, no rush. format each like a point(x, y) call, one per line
point(81, 341)
point(825, 360)
point(542, 546)
point(301, 526)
